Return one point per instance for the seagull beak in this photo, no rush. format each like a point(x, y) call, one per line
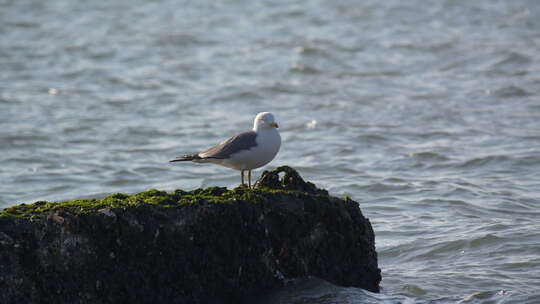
point(274, 124)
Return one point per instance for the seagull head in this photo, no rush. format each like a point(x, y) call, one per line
point(264, 120)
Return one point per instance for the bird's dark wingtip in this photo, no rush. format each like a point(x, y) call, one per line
point(178, 159)
point(184, 158)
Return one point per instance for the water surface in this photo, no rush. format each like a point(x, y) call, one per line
point(426, 112)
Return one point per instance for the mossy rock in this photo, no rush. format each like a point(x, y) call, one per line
point(210, 245)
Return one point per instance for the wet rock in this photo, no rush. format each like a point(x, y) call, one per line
point(291, 180)
point(204, 246)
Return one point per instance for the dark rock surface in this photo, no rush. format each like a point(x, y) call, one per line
point(205, 246)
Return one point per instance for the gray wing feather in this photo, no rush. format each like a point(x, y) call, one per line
point(237, 143)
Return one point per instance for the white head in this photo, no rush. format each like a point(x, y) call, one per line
point(264, 120)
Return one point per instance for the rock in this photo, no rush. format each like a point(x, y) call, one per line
point(204, 246)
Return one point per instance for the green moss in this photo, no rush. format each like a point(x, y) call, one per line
point(270, 188)
point(150, 197)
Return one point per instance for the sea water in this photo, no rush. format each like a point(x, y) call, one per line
point(426, 112)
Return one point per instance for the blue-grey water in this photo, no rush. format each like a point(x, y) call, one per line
point(426, 112)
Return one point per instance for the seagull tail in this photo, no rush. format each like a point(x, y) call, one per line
point(187, 157)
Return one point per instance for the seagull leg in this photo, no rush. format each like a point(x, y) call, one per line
point(249, 179)
point(242, 176)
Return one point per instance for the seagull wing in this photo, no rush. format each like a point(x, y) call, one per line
point(235, 144)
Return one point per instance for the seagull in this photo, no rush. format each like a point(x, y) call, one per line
point(246, 151)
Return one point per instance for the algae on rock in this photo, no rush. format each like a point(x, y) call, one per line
point(205, 245)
